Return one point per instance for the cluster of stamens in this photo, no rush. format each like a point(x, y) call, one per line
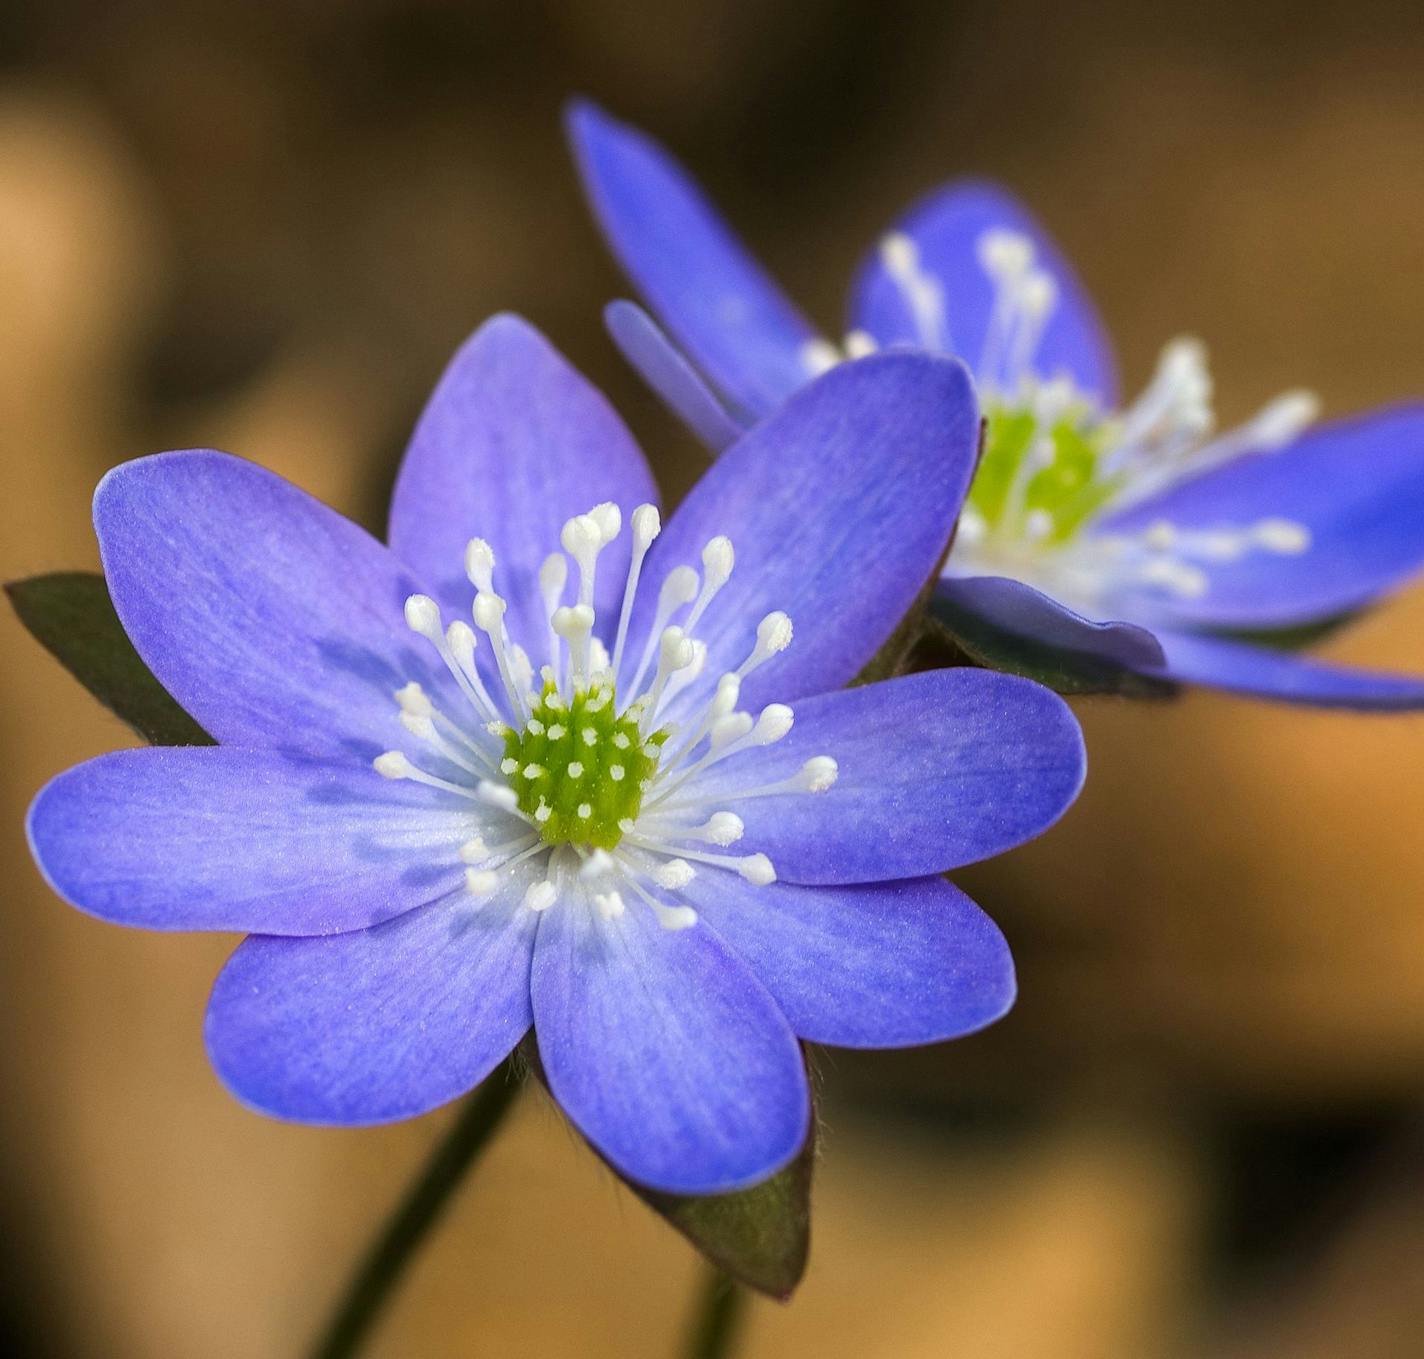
point(573, 793)
point(1056, 464)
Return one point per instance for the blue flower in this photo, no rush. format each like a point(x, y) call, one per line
point(1132, 534)
point(550, 777)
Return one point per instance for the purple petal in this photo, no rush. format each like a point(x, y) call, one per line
point(935, 770)
point(513, 443)
point(946, 227)
point(215, 838)
point(663, 367)
point(666, 1051)
point(881, 966)
point(720, 305)
point(379, 1024)
point(1356, 485)
point(1264, 673)
point(274, 621)
point(839, 507)
point(1014, 607)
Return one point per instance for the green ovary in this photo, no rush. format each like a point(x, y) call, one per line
point(1067, 487)
point(579, 769)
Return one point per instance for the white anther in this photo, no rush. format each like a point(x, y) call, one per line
point(819, 356)
point(772, 724)
point(413, 699)
point(479, 564)
point(460, 638)
point(474, 851)
point(419, 725)
point(757, 869)
point(609, 519)
point(674, 874)
point(673, 918)
point(539, 896)
point(819, 773)
point(647, 524)
point(499, 795)
point(598, 864)
point(553, 575)
point(774, 633)
point(489, 613)
point(1159, 536)
point(732, 727)
point(1038, 524)
point(722, 828)
point(392, 765)
point(679, 588)
point(480, 882)
point(899, 254)
point(609, 904)
point(971, 529)
point(1037, 295)
point(1005, 254)
point(1179, 578)
point(1282, 421)
point(422, 616)
point(860, 344)
point(1284, 536)
point(581, 537)
point(575, 625)
point(718, 558)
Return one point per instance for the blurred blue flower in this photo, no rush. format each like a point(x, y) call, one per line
point(1137, 535)
point(596, 815)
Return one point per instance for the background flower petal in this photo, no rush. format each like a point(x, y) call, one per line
point(665, 1050)
point(719, 304)
point(1356, 485)
point(379, 1024)
point(1016, 607)
point(273, 620)
point(513, 443)
point(216, 838)
point(935, 770)
point(1265, 673)
point(664, 368)
point(881, 966)
point(946, 226)
point(839, 507)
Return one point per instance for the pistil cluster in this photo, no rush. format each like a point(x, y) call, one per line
point(577, 793)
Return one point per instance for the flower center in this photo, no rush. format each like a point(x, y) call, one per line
point(574, 794)
point(579, 769)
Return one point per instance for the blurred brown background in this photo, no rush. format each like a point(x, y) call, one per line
point(265, 227)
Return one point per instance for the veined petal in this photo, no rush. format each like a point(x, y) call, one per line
point(946, 227)
point(275, 622)
point(216, 838)
point(513, 443)
point(719, 304)
point(664, 368)
point(378, 1024)
point(666, 1051)
point(934, 771)
point(881, 966)
point(1356, 488)
point(1015, 607)
point(1264, 673)
point(839, 506)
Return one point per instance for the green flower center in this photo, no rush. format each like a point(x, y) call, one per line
point(1045, 481)
point(579, 768)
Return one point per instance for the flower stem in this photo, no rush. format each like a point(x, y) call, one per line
point(717, 1322)
point(396, 1246)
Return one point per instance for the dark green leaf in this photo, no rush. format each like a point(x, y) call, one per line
point(71, 615)
point(760, 1237)
point(957, 636)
